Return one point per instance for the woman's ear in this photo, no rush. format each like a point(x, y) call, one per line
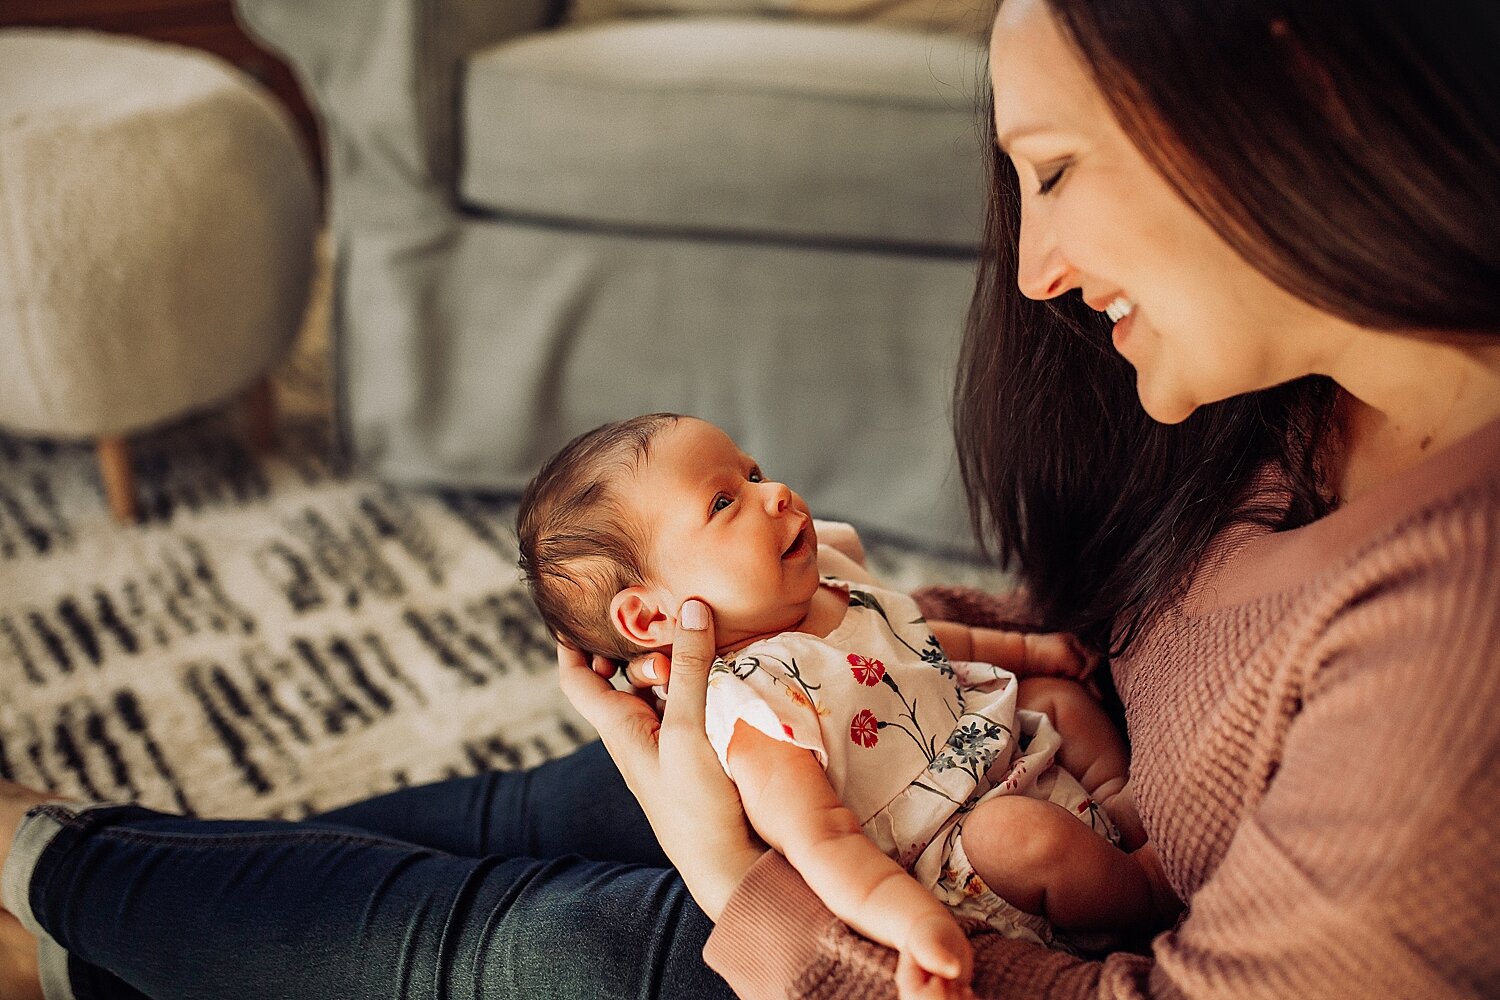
point(637, 615)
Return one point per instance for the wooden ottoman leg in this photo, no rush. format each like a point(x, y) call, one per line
point(260, 407)
point(119, 482)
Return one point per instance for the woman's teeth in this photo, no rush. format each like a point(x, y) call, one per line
point(1119, 309)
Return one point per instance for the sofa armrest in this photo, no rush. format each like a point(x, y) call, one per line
point(384, 76)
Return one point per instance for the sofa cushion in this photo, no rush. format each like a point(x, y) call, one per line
point(942, 15)
point(732, 126)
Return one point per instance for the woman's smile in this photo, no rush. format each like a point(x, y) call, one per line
point(1124, 320)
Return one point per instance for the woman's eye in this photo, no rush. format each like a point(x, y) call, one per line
point(720, 502)
point(1046, 183)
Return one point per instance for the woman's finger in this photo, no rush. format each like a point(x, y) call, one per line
point(567, 656)
point(581, 685)
point(912, 981)
point(604, 666)
point(648, 671)
point(626, 724)
point(692, 656)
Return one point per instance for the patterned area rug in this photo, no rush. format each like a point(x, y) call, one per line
point(275, 637)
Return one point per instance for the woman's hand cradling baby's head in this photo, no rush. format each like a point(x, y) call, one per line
point(669, 764)
point(648, 673)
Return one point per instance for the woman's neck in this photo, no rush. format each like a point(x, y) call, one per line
point(1405, 399)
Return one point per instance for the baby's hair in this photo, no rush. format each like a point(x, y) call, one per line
point(579, 546)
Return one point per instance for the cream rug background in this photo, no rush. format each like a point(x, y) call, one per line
point(276, 636)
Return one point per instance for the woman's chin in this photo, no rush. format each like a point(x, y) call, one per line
point(1163, 405)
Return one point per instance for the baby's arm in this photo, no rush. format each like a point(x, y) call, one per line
point(841, 537)
point(793, 807)
point(836, 562)
point(1022, 653)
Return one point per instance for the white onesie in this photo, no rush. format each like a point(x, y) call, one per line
point(910, 741)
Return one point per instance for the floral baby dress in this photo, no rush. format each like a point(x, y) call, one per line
point(910, 740)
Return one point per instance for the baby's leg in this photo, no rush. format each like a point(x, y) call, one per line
point(1038, 858)
point(1093, 749)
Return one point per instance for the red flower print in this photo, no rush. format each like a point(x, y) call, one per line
point(867, 670)
point(863, 729)
point(788, 730)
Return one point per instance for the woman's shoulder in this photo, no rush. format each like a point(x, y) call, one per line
point(1435, 518)
point(1430, 577)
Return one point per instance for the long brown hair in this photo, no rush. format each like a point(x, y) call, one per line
point(1348, 151)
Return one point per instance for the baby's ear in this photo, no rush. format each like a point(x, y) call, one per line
point(637, 615)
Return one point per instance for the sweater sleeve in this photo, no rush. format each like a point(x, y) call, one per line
point(776, 940)
point(1369, 866)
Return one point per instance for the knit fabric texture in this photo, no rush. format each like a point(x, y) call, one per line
point(1315, 755)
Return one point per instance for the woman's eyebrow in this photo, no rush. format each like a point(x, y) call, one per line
point(1005, 138)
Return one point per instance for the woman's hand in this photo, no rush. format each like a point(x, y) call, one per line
point(647, 674)
point(668, 763)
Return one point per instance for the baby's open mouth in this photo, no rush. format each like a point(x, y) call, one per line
point(799, 544)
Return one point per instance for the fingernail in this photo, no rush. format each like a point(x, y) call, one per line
point(649, 671)
point(694, 615)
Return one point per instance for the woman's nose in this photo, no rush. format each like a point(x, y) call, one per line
point(1041, 271)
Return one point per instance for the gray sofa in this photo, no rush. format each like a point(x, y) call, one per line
point(768, 222)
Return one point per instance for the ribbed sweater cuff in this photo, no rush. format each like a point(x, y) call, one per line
point(1005, 967)
point(772, 929)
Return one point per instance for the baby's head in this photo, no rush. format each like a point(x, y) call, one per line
point(632, 518)
point(581, 541)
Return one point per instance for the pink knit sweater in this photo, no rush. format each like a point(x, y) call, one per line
point(1315, 734)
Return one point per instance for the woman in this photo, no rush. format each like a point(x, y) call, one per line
point(1289, 215)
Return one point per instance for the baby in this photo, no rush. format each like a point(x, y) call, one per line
point(908, 784)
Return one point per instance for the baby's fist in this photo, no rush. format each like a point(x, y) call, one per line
point(936, 962)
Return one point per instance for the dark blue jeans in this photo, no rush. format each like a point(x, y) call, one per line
point(547, 883)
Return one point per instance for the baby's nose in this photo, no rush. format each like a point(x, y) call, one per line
point(778, 498)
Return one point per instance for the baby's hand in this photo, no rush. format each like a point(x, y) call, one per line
point(936, 963)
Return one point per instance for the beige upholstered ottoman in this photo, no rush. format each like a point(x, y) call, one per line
point(157, 219)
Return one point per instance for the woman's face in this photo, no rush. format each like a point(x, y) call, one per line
point(1203, 324)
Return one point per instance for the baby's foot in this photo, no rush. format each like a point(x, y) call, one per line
point(1115, 799)
point(19, 979)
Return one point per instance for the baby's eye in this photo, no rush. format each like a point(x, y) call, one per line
point(720, 502)
point(756, 476)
